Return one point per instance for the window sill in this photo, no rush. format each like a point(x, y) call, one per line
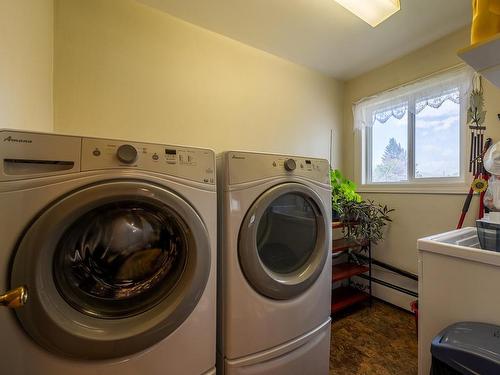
point(460, 188)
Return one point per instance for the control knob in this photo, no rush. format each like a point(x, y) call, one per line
point(290, 165)
point(127, 154)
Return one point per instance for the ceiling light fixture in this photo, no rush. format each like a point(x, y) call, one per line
point(372, 12)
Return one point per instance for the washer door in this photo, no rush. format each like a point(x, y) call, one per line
point(111, 269)
point(283, 241)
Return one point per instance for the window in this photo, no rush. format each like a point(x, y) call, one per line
point(413, 136)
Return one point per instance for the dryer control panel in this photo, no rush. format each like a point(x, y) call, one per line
point(250, 166)
point(196, 164)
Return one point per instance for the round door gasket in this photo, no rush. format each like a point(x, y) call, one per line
point(281, 286)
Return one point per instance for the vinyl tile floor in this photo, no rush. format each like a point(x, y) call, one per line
point(377, 340)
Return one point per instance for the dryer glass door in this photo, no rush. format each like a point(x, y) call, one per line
point(111, 269)
point(287, 233)
point(283, 241)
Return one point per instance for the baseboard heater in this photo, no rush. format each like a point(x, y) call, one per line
point(396, 270)
point(390, 285)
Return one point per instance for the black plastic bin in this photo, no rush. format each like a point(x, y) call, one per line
point(467, 348)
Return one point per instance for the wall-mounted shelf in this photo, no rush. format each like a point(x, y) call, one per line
point(484, 58)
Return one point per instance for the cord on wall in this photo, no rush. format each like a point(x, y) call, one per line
point(331, 148)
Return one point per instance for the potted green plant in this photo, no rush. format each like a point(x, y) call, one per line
point(343, 189)
point(364, 220)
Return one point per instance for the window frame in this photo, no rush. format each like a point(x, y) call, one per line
point(444, 185)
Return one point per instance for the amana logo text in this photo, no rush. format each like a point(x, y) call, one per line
point(10, 139)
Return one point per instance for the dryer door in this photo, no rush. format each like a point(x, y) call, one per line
point(283, 241)
point(111, 269)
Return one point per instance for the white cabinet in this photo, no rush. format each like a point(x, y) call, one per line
point(457, 282)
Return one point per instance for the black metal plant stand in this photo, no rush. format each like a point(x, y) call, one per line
point(355, 264)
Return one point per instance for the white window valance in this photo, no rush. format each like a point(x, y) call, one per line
point(454, 85)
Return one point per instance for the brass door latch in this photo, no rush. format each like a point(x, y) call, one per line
point(14, 298)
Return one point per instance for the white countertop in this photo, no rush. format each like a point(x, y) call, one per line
point(444, 244)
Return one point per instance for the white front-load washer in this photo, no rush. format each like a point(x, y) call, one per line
point(274, 280)
point(108, 249)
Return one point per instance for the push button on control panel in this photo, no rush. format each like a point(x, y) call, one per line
point(127, 154)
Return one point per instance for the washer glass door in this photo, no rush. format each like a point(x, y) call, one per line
point(121, 258)
point(283, 241)
point(111, 269)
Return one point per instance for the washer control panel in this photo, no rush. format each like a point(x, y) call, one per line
point(196, 164)
point(249, 166)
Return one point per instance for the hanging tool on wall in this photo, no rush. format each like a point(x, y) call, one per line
point(479, 184)
point(475, 118)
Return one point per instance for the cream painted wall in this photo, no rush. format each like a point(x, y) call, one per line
point(416, 215)
point(26, 55)
point(125, 70)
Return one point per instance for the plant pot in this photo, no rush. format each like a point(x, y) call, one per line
point(335, 215)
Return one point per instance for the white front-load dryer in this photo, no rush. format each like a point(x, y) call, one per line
point(108, 249)
point(274, 281)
